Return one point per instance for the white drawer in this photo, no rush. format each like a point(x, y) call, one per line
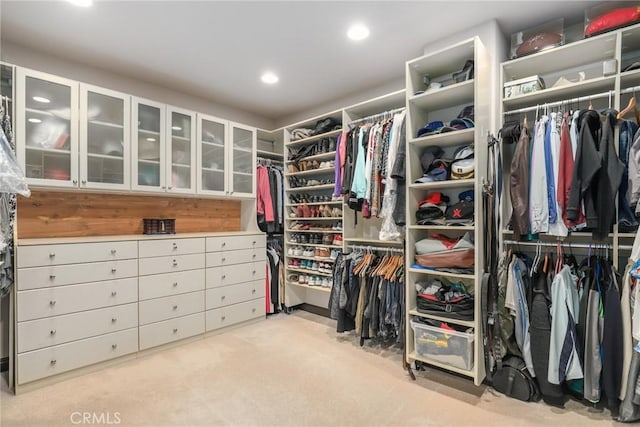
point(151, 248)
point(162, 285)
point(171, 330)
point(58, 275)
point(35, 334)
point(231, 243)
point(71, 253)
point(55, 360)
point(47, 302)
point(158, 309)
point(217, 259)
point(234, 274)
point(228, 295)
point(225, 316)
point(168, 264)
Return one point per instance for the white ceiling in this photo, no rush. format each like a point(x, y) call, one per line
point(218, 50)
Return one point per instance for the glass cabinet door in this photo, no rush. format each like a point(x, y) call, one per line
point(148, 146)
point(212, 155)
point(243, 160)
point(181, 151)
point(104, 148)
point(47, 122)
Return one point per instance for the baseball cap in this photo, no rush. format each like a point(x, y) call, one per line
point(467, 113)
point(460, 213)
point(434, 199)
point(431, 128)
point(459, 124)
point(463, 169)
point(464, 152)
point(431, 215)
point(428, 156)
point(437, 174)
point(467, 195)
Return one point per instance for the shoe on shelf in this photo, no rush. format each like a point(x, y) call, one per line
point(327, 239)
point(337, 239)
point(314, 266)
point(290, 251)
point(297, 251)
point(323, 253)
point(293, 278)
point(334, 254)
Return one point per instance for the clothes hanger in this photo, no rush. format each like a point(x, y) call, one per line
point(590, 104)
point(633, 103)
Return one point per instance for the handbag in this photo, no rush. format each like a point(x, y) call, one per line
point(514, 380)
point(510, 132)
point(460, 308)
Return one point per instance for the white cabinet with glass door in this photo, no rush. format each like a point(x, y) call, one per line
point(148, 146)
point(105, 133)
point(242, 160)
point(181, 151)
point(47, 128)
point(212, 156)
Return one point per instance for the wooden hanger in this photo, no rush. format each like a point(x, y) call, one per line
point(633, 104)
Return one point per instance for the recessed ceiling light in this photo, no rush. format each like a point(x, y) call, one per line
point(269, 78)
point(151, 139)
point(81, 3)
point(358, 32)
point(41, 99)
point(176, 128)
point(34, 120)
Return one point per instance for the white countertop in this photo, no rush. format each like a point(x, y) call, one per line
point(130, 237)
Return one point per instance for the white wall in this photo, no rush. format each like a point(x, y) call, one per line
point(350, 99)
point(41, 61)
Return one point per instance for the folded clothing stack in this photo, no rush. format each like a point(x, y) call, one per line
point(440, 251)
point(464, 120)
point(435, 168)
point(322, 126)
point(434, 210)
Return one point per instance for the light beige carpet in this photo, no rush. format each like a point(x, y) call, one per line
point(287, 370)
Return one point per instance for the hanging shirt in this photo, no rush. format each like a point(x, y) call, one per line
point(359, 185)
point(538, 200)
point(564, 361)
point(520, 310)
point(549, 168)
point(368, 162)
point(264, 202)
point(557, 228)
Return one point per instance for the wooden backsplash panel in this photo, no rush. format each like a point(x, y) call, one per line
point(74, 214)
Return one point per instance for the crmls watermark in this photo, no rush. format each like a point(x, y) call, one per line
point(95, 418)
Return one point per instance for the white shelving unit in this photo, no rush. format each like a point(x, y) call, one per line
point(445, 104)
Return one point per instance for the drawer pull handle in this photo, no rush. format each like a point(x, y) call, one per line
point(52, 255)
point(114, 293)
point(175, 330)
point(224, 244)
point(224, 259)
point(253, 291)
point(224, 276)
point(175, 284)
point(253, 310)
point(52, 332)
point(53, 362)
point(175, 263)
point(253, 256)
point(222, 297)
point(113, 251)
point(52, 276)
point(175, 307)
point(254, 272)
point(223, 317)
point(254, 242)
point(114, 319)
point(113, 270)
point(114, 346)
point(175, 245)
point(52, 302)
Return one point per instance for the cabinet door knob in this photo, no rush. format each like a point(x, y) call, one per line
point(175, 245)
point(175, 307)
point(254, 272)
point(52, 302)
point(175, 330)
point(254, 242)
point(114, 346)
point(114, 293)
point(52, 276)
point(222, 297)
point(113, 270)
point(253, 310)
point(163, 187)
point(52, 255)
point(170, 187)
point(223, 317)
point(175, 284)
point(53, 362)
point(114, 319)
point(175, 263)
point(52, 332)
point(224, 259)
point(253, 256)
point(253, 291)
point(224, 244)
point(75, 181)
point(113, 251)
point(84, 181)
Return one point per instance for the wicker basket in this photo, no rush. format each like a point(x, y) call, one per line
point(159, 226)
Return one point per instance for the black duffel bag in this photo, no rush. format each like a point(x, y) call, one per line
point(514, 380)
point(460, 308)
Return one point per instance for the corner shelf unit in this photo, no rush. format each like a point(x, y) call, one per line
point(623, 46)
point(445, 104)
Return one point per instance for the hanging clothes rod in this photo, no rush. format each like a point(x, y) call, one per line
point(377, 248)
point(379, 115)
point(562, 102)
point(565, 243)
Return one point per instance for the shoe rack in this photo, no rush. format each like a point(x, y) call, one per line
point(313, 217)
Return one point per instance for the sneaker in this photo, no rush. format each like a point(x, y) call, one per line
point(308, 252)
point(337, 239)
point(326, 282)
point(334, 254)
point(297, 251)
point(293, 278)
point(290, 251)
point(315, 266)
point(302, 279)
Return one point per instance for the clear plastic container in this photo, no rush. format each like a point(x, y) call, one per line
point(445, 346)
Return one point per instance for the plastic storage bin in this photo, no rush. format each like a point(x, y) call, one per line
point(445, 346)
